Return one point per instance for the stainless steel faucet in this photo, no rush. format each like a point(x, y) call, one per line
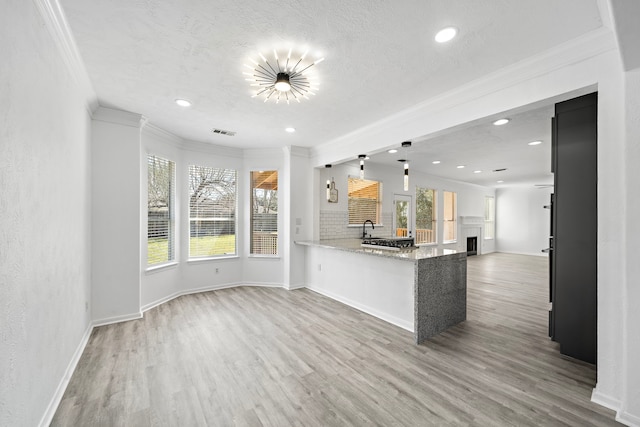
point(364, 233)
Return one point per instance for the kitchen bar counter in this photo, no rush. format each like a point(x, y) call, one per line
point(425, 296)
point(354, 245)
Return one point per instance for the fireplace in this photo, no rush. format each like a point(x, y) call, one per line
point(472, 245)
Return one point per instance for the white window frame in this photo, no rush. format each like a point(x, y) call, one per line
point(489, 218)
point(351, 180)
point(154, 188)
point(204, 210)
point(269, 242)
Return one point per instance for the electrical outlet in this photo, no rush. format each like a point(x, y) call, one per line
point(86, 306)
point(217, 270)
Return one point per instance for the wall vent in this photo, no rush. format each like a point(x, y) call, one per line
point(223, 132)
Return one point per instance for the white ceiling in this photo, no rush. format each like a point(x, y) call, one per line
point(380, 58)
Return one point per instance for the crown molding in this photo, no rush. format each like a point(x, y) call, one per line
point(297, 151)
point(206, 147)
point(161, 134)
point(120, 117)
point(56, 23)
point(574, 51)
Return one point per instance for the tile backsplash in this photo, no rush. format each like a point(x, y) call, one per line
point(333, 225)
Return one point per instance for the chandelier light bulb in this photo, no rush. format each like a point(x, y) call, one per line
point(282, 82)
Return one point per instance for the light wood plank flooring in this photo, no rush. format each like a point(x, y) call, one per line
point(264, 356)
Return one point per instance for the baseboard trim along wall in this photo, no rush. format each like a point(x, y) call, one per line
point(64, 382)
point(117, 319)
point(375, 313)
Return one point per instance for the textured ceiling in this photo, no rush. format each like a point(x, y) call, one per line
point(380, 57)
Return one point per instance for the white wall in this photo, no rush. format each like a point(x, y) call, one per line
point(522, 224)
point(631, 402)
point(115, 216)
point(44, 217)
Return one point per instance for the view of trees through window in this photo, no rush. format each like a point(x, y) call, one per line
point(264, 212)
point(212, 211)
point(160, 210)
point(425, 215)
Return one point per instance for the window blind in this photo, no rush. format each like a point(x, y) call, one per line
point(160, 210)
point(363, 201)
point(212, 211)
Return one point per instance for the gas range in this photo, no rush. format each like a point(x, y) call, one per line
point(388, 243)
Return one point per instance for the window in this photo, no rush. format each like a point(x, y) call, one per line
point(489, 217)
point(264, 213)
point(363, 201)
point(160, 210)
point(425, 215)
point(212, 212)
point(450, 223)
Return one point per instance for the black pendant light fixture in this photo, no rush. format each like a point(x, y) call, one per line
point(362, 157)
point(406, 144)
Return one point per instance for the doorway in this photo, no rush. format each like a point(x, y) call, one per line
point(402, 216)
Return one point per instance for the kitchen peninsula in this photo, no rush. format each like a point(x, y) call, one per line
point(423, 290)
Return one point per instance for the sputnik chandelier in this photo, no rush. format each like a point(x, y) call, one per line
point(283, 78)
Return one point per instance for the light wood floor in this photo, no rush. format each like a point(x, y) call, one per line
point(266, 356)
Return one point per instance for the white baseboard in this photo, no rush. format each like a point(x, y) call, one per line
point(64, 382)
point(174, 295)
point(628, 419)
point(117, 319)
point(523, 253)
point(605, 400)
point(373, 312)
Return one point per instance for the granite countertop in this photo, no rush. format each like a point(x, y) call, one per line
point(353, 245)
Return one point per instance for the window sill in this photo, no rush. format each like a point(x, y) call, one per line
point(489, 238)
point(161, 267)
point(211, 258)
point(360, 225)
point(450, 242)
point(264, 256)
point(426, 244)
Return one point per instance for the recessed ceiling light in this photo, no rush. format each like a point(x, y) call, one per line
point(501, 122)
point(183, 103)
point(436, 162)
point(290, 130)
point(535, 143)
point(392, 151)
point(460, 166)
point(446, 34)
point(367, 157)
point(499, 182)
point(477, 171)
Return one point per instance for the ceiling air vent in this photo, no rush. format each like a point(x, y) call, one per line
point(500, 170)
point(223, 132)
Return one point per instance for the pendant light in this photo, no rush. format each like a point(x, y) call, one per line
point(406, 144)
point(406, 176)
point(362, 157)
